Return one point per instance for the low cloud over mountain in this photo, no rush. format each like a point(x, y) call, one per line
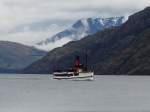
point(80, 29)
point(29, 22)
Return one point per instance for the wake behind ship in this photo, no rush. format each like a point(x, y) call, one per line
point(78, 72)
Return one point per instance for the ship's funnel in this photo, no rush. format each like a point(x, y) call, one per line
point(77, 63)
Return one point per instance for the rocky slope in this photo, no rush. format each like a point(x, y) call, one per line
point(82, 28)
point(15, 56)
point(117, 50)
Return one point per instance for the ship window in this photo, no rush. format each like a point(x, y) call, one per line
point(76, 74)
point(81, 66)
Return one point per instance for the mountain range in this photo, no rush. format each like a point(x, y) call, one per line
point(14, 56)
point(80, 29)
point(117, 50)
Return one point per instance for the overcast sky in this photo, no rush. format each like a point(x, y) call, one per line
point(31, 21)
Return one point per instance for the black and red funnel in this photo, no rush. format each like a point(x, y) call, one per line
point(77, 62)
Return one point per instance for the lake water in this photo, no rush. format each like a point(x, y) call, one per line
point(40, 93)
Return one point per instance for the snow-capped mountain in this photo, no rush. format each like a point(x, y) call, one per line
point(80, 29)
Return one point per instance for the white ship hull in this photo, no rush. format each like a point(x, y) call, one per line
point(80, 76)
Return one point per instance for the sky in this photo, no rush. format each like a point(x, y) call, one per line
point(32, 21)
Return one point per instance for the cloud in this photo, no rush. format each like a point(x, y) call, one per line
point(51, 46)
point(27, 36)
point(31, 21)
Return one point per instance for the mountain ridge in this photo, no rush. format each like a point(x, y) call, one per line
point(82, 28)
point(117, 50)
point(15, 56)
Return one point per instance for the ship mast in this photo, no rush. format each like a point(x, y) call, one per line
point(86, 58)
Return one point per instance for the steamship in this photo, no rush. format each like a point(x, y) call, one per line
point(78, 72)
